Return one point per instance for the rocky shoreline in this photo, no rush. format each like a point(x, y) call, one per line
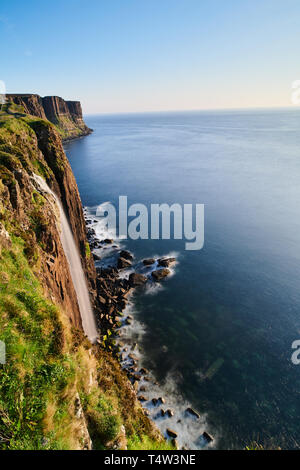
point(116, 282)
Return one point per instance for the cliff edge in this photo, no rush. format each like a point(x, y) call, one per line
point(65, 115)
point(57, 390)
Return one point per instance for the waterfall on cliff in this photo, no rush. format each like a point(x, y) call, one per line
point(76, 270)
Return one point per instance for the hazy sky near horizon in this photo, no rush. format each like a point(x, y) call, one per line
point(148, 55)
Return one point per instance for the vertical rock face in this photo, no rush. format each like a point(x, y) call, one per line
point(32, 104)
point(66, 115)
point(36, 220)
point(75, 111)
point(54, 107)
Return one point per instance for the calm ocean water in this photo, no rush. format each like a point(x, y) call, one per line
point(223, 324)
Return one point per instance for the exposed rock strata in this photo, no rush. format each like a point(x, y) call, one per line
point(30, 145)
point(66, 115)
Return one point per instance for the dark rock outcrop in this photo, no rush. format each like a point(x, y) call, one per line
point(207, 437)
point(126, 255)
point(160, 274)
point(136, 279)
point(123, 263)
point(193, 412)
point(32, 104)
point(172, 433)
point(148, 262)
point(166, 262)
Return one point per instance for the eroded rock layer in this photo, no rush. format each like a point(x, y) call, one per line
point(66, 115)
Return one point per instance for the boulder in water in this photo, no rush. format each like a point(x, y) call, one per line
point(126, 255)
point(142, 398)
point(123, 263)
point(172, 433)
point(136, 279)
point(148, 262)
point(166, 262)
point(160, 274)
point(193, 412)
point(207, 437)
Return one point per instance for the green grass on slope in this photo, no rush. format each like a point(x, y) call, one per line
point(35, 366)
point(146, 443)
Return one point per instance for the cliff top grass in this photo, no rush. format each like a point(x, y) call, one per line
point(64, 125)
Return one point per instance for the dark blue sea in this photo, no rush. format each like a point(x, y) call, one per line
point(223, 324)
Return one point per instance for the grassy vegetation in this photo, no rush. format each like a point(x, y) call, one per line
point(146, 443)
point(47, 364)
point(36, 365)
point(87, 250)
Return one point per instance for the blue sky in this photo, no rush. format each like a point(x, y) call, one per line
point(147, 55)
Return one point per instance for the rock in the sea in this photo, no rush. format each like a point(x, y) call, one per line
point(132, 357)
point(137, 376)
point(155, 401)
point(207, 437)
point(172, 433)
point(123, 263)
point(170, 413)
point(193, 412)
point(136, 279)
point(148, 262)
point(96, 257)
point(162, 400)
point(108, 241)
point(160, 274)
point(166, 262)
point(126, 255)
point(142, 398)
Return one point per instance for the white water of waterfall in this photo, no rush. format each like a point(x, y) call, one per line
point(76, 270)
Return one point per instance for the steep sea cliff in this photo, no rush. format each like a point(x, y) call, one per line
point(66, 115)
point(57, 389)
